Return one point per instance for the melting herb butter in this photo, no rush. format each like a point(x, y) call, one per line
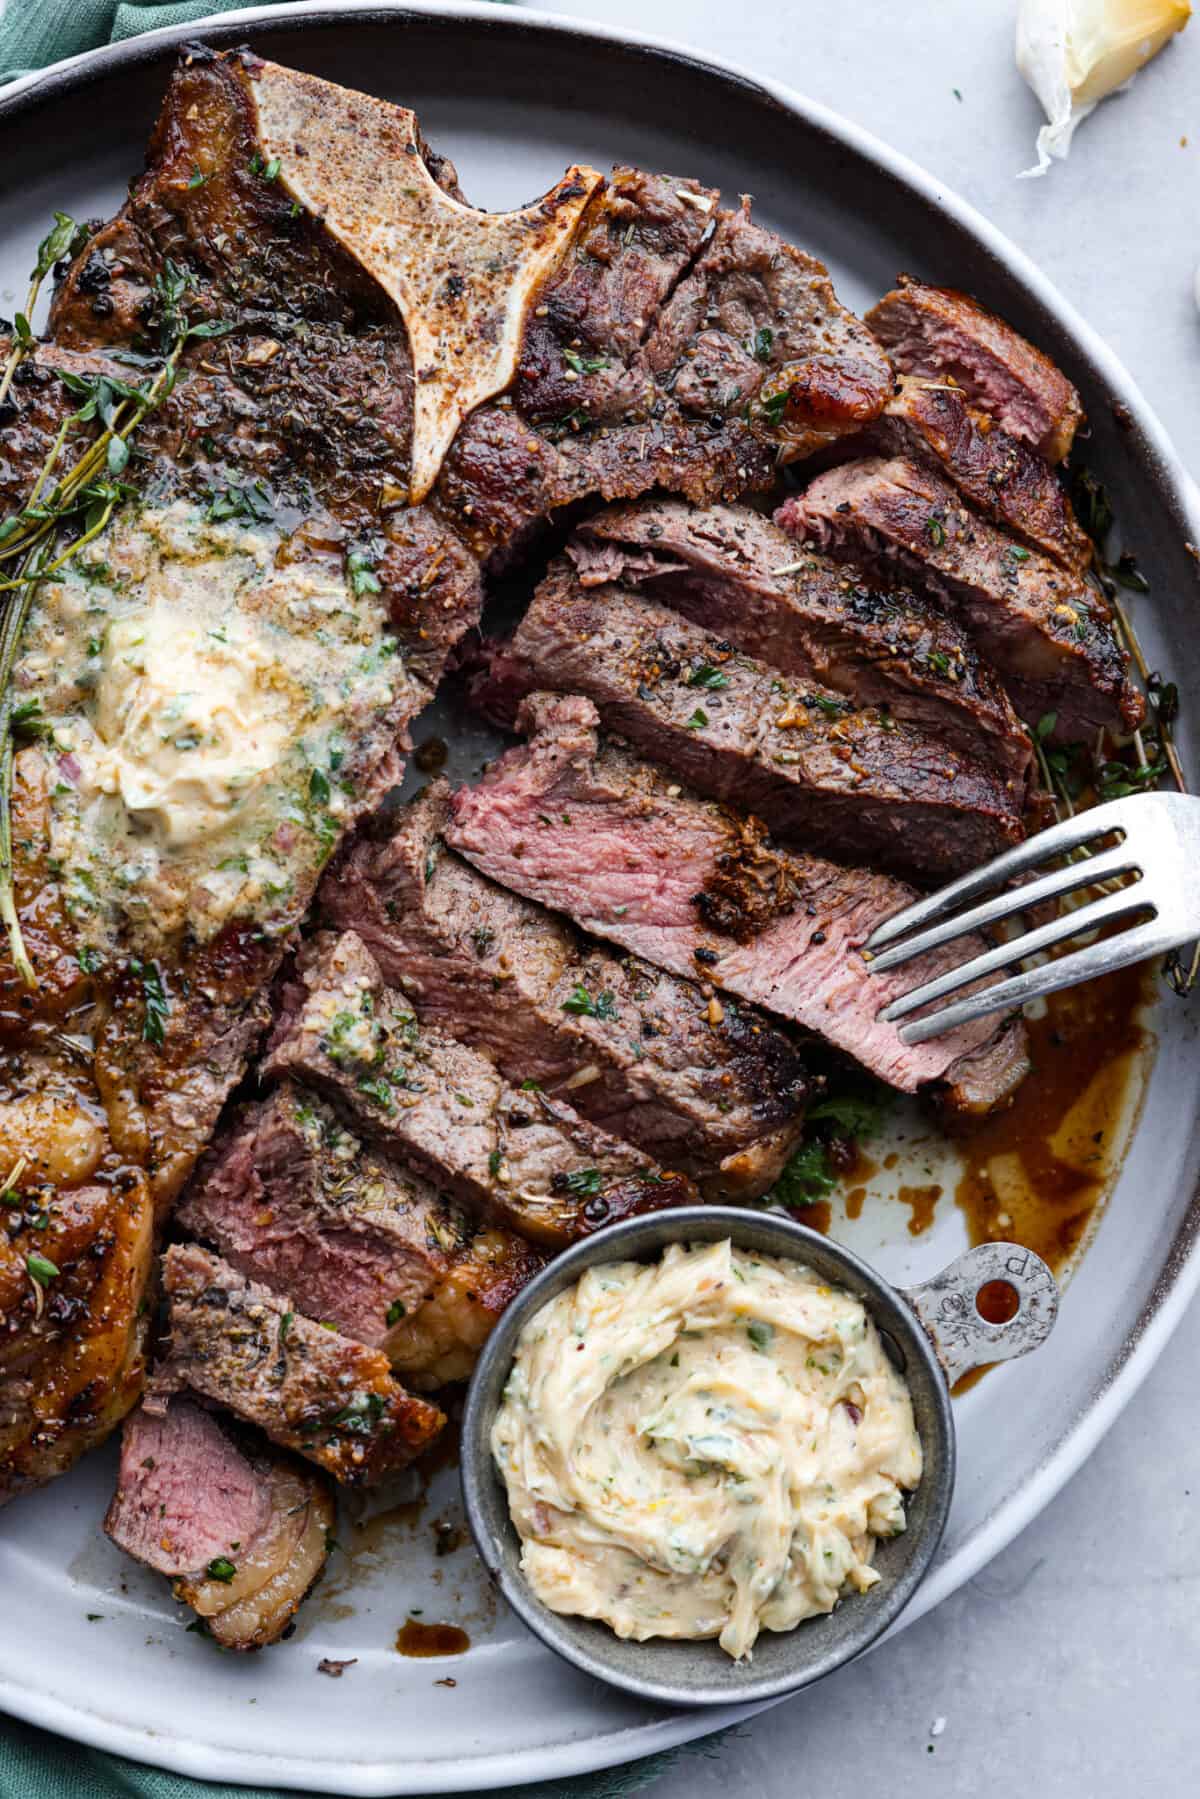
point(707, 1446)
point(199, 683)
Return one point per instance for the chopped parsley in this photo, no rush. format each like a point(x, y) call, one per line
point(584, 365)
point(222, 1569)
point(395, 1312)
point(585, 1181)
point(697, 721)
point(155, 1000)
point(249, 501)
point(937, 531)
point(360, 569)
point(705, 675)
point(360, 1417)
point(761, 1334)
point(764, 339)
point(580, 1002)
point(376, 1087)
point(850, 1115)
point(774, 406)
point(806, 1178)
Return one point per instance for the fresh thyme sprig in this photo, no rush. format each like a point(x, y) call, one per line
point(81, 503)
point(57, 242)
point(1154, 751)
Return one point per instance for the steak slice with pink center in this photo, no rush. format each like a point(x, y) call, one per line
point(815, 767)
point(513, 1153)
point(243, 1530)
point(1046, 632)
point(586, 827)
point(738, 575)
point(721, 1098)
point(291, 1197)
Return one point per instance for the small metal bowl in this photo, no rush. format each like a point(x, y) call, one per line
point(934, 1332)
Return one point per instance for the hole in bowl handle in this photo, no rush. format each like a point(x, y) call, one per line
point(948, 1307)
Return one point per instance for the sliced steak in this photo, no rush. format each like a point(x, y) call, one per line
point(815, 768)
point(938, 332)
point(242, 1530)
point(684, 883)
point(1045, 631)
point(515, 1154)
point(291, 1197)
point(932, 423)
point(741, 577)
point(718, 1092)
point(250, 1351)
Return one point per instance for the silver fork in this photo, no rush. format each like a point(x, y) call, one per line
point(1159, 845)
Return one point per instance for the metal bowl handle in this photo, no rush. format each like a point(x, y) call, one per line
point(948, 1307)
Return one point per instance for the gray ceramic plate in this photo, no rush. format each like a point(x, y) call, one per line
point(514, 97)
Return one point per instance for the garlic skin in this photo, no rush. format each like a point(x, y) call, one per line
point(1073, 53)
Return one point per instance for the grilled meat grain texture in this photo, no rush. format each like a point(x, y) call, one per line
point(717, 1092)
point(931, 423)
point(1046, 631)
point(515, 1154)
point(242, 1530)
point(582, 825)
point(940, 334)
point(292, 1198)
point(816, 768)
point(742, 578)
point(251, 1352)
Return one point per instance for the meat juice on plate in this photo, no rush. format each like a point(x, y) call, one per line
point(1038, 1173)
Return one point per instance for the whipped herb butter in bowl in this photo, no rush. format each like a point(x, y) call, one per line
point(708, 1455)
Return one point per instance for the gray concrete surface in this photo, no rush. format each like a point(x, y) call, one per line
point(1069, 1667)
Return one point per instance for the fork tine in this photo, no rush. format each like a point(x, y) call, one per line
point(1058, 930)
point(1068, 835)
point(1106, 957)
point(1013, 899)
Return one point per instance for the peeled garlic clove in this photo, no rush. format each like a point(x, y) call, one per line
point(1075, 52)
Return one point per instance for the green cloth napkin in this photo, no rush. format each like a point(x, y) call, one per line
point(35, 32)
point(34, 1764)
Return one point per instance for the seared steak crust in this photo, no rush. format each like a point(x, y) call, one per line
point(741, 577)
point(817, 769)
point(686, 884)
point(938, 333)
point(719, 1097)
point(518, 1155)
point(250, 1351)
point(1046, 632)
point(931, 422)
point(757, 325)
point(679, 347)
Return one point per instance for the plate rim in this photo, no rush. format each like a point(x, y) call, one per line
point(1179, 1275)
